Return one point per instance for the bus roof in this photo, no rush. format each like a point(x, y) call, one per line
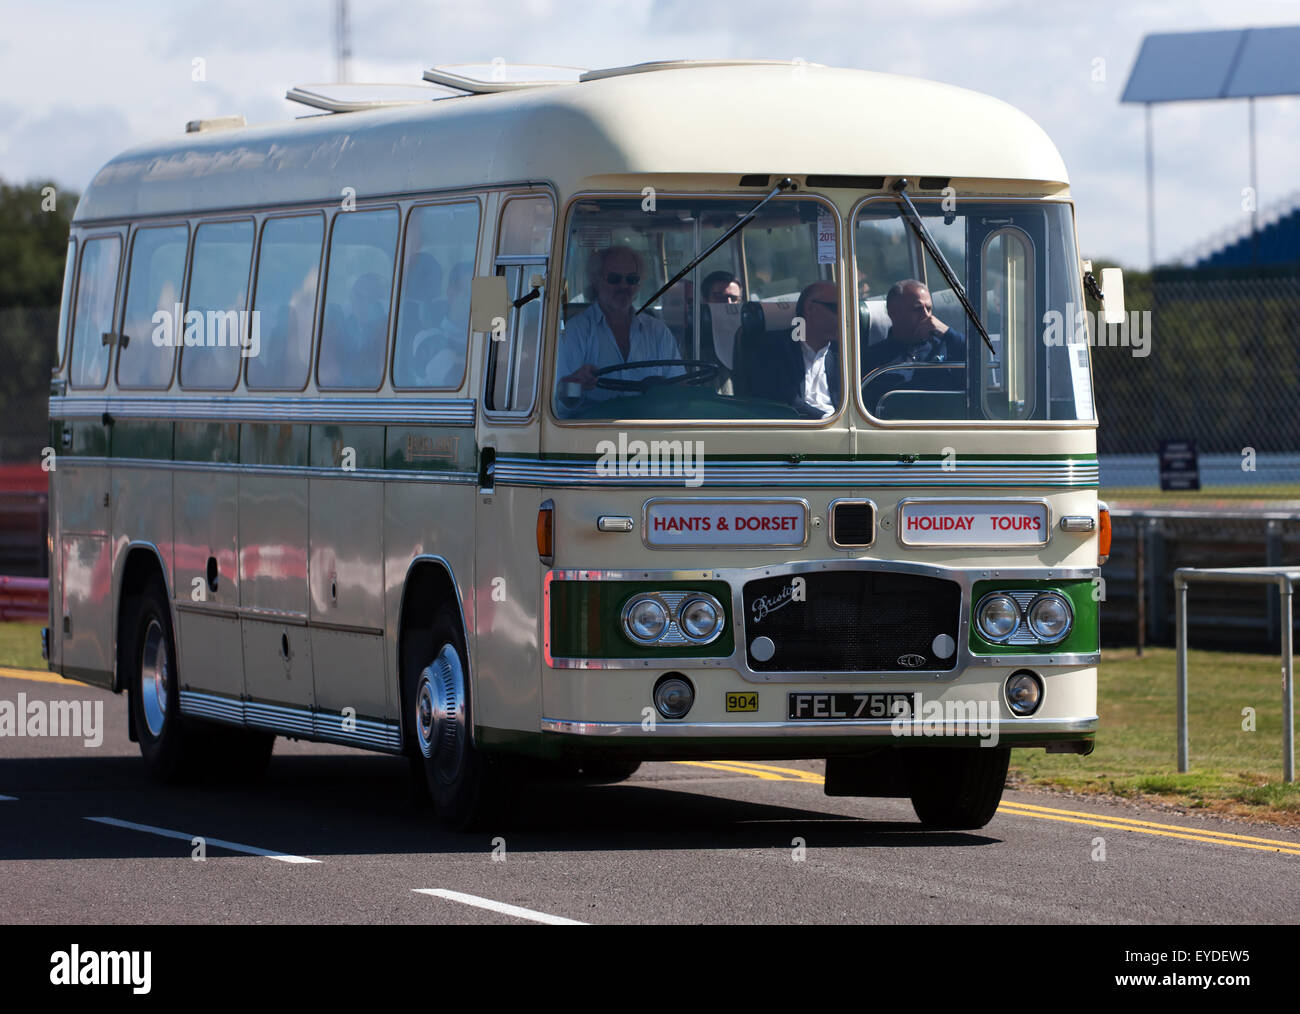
point(679, 119)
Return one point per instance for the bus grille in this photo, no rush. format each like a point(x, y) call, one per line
point(851, 621)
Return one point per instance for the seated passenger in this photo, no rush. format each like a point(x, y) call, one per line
point(352, 343)
point(802, 374)
point(611, 332)
point(438, 357)
point(915, 336)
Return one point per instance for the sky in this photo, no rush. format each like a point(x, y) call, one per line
point(81, 81)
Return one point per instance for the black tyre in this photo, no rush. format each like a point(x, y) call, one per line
point(466, 787)
point(168, 743)
point(956, 789)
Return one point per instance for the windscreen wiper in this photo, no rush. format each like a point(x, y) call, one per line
point(785, 184)
point(932, 248)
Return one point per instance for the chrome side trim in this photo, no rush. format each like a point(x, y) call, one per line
point(1066, 473)
point(369, 733)
point(375, 409)
point(874, 728)
point(302, 471)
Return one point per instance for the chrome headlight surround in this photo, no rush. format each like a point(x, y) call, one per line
point(719, 618)
point(1055, 598)
point(987, 601)
point(645, 598)
point(674, 606)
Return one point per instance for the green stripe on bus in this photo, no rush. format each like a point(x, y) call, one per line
point(586, 620)
point(1084, 637)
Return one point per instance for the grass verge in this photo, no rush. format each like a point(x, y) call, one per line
point(1234, 772)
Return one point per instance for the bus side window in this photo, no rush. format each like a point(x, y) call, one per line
point(223, 254)
point(288, 269)
point(358, 298)
point(433, 306)
point(522, 250)
point(154, 282)
point(65, 304)
point(96, 298)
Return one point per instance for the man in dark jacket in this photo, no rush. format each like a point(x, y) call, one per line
point(916, 335)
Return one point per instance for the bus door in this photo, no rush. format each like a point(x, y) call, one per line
point(508, 574)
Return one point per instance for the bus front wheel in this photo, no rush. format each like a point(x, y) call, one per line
point(956, 789)
point(464, 784)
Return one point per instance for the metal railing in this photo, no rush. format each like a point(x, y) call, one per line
point(1284, 578)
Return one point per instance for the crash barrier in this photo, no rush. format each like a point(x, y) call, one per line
point(24, 598)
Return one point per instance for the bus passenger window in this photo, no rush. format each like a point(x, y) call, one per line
point(433, 306)
point(223, 252)
point(153, 286)
point(65, 304)
point(96, 297)
point(358, 294)
point(288, 268)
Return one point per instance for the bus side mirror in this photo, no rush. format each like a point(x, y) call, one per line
point(488, 303)
point(1112, 294)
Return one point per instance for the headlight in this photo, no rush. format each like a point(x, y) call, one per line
point(699, 618)
point(1024, 692)
point(998, 617)
point(645, 619)
point(1049, 617)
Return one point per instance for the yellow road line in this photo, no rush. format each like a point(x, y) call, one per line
point(39, 677)
point(804, 776)
point(769, 772)
point(766, 776)
point(1103, 822)
point(1148, 823)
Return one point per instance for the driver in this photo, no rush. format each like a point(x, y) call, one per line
point(610, 332)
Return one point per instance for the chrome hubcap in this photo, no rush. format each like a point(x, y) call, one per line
point(155, 670)
point(440, 713)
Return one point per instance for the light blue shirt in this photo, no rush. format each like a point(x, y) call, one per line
point(588, 339)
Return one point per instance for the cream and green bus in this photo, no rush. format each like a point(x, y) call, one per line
point(541, 419)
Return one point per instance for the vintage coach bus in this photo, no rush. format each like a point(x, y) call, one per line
point(706, 410)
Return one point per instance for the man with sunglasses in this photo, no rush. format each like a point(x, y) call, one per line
point(611, 332)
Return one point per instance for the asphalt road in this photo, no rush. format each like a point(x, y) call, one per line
point(330, 835)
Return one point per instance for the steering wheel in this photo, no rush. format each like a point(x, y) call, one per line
point(696, 370)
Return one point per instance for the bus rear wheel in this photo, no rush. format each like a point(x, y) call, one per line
point(175, 748)
point(465, 785)
point(956, 789)
point(166, 742)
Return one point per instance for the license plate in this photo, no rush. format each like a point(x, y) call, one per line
point(742, 701)
point(836, 706)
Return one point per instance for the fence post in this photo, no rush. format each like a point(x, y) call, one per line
point(1273, 558)
point(1180, 619)
point(1285, 593)
point(1155, 579)
point(1139, 587)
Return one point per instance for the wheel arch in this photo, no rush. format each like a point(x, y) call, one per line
point(141, 561)
point(430, 586)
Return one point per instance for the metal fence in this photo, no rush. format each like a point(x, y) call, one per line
point(1217, 362)
point(1149, 545)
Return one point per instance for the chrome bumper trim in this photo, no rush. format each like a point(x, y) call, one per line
point(878, 728)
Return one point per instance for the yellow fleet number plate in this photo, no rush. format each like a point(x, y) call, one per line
point(742, 702)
